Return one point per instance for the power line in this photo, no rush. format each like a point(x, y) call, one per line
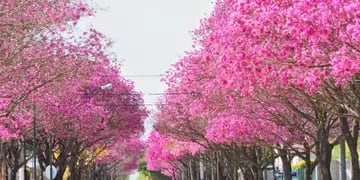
point(144, 75)
point(174, 93)
point(150, 94)
point(134, 75)
point(129, 105)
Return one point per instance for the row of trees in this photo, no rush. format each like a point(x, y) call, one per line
point(265, 79)
point(52, 84)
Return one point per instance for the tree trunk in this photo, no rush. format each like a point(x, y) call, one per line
point(286, 162)
point(3, 169)
point(61, 161)
point(324, 164)
point(309, 167)
point(259, 174)
point(323, 152)
point(41, 174)
point(73, 171)
point(247, 174)
point(235, 176)
point(191, 172)
point(12, 175)
point(354, 163)
point(217, 168)
point(254, 173)
point(286, 169)
point(60, 173)
point(351, 139)
point(2, 161)
point(13, 171)
point(212, 164)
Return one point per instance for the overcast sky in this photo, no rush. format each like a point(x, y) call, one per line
point(149, 35)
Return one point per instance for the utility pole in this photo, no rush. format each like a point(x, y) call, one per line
point(50, 158)
point(342, 161)
point(35, 142)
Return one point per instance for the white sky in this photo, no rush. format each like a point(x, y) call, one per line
point(149, 36)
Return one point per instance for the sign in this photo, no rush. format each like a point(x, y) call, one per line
point(30, 163)
point(293, 174)
point(47, 172)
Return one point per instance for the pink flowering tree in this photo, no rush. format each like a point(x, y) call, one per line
point(121, 157)
point(304, 46)
point(29, 60)
point(26, 50)
point(50, 75)
point(205, 114)
point(165, 153)
point(302, 55)
point(97, 118)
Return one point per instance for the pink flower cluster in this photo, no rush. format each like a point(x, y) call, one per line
point(248, 56)
point(52, 75)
